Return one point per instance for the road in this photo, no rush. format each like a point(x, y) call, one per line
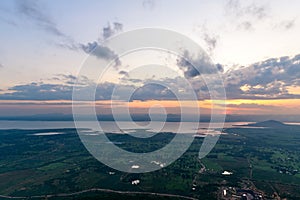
point(96, 190)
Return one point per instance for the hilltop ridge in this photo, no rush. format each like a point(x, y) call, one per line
point(268, 123)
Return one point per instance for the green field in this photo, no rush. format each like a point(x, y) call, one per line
point(267, 159)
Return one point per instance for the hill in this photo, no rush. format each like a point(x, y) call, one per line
point(268, 123)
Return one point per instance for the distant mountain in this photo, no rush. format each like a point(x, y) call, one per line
point(269, 123)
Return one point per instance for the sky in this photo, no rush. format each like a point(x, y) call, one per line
point(255, 45)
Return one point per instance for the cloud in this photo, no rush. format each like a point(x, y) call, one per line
point(269, 79)
point(124, 73)
point(195, 65)
point(149, 4)
point(37, 14)
point(153, 91)
point(220, 67)
point(34, 11)
point(286, 24)
point(1, 65)
point(100, 51)
point(274, 78)
point(59, 87)
point(254, 10)
point(246, 25)
point(246, 15)
point(96, 48)
point(71, 80)
point(38, 91)
point(111, 30)
point(250, 105)
point(235, 8)
point(211, 41)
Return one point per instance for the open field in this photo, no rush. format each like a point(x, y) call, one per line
point(264, 160)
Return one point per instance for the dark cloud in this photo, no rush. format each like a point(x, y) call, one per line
point(123, 73)
point(100, 52)
point(62, 90)
point(194, 65)
point(153, 91)
point(269, 79)
point(149, 89)
point(220, 67)
point(71, 80)
point(133, 80)
point(1, 65)
point(38, 91)
point(111, 30)
point(46, 91)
